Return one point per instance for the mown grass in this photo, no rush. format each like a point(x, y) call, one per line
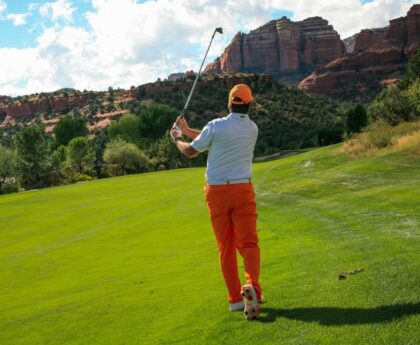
point(133, 260)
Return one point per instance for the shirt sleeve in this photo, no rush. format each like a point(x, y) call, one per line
point(204, 139)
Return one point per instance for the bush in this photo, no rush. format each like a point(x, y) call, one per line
point(82, 177)
point(125, 158)
point(379, 134)
point(391, 106)
point(356, 119)
point(9, 188)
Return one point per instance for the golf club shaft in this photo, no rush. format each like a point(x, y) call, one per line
point(196, 78)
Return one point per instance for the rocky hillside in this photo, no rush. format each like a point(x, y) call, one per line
point(376, 57)
point(286, 116)
point(311, 51)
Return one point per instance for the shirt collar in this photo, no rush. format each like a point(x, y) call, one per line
point(238, 116)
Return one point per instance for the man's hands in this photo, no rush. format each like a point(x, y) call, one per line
point(182, 124)
point(175, 132)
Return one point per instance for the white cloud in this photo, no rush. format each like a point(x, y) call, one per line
point(33, 6)
point(2, 6)
point(60, 9)
point(17, 18)
point(129, 43)
point(347, 16)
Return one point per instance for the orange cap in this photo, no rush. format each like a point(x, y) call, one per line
point(240, 94)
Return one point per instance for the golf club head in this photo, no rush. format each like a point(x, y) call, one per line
point(219, 30)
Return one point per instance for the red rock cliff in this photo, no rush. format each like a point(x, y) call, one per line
point(287, 49)
point(378, 55)
point(38, 105)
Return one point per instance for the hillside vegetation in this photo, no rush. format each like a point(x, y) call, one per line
point(132, 260)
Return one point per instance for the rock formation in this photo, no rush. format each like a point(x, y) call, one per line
point(37, 105)
point(378, 55)
point(289, 50)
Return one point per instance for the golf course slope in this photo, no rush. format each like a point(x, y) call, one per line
point(133, 260)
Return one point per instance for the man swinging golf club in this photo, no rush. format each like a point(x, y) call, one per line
point(229, 193)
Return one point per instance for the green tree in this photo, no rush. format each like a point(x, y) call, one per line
point(166, 154)
point(356, 119)
point(32, 149)
point(156, 120)
point(69, 128)
point(413, 97)
point(58, 160)
point(81, 155)
point(7, 165)
point(391, 106)
point(125, 158)
point(127, 128)
point(412, 71)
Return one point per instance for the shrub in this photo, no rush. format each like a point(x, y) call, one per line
point(82, 177)
point(9, 188)
point(356, 119)
point(379, 134)
point(125, 158)
point(391, 106)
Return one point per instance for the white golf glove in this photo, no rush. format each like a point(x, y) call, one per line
point(175, 132)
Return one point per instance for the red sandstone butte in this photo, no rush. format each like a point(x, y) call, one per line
point(378, 55)
point(286, 49)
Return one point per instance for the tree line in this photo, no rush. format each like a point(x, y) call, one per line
point(132, 144)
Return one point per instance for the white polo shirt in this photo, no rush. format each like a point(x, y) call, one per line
point(230, 141)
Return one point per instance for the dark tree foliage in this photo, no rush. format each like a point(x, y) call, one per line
point(7, 165)
point(167, 155)
point(412, 71)
point(286, 116)
point(156, 120)
point(126, 128)
point(81, 155)
point(32, 149)
point(69, 128)
point(391, 106)
point(330, 136)
point(356, 119)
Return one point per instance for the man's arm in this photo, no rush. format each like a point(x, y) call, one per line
point(189, 132)
point(186, 148)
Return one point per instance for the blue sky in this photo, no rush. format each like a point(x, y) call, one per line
point(24, 36)
point(49, 44)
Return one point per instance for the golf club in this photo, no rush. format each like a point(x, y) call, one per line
point(220, 31)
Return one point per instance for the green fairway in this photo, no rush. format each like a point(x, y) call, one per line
point(133, 260)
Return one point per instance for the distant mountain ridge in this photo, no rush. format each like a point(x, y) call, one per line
point(311, 52)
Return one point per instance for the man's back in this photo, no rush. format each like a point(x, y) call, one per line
point(230, 141)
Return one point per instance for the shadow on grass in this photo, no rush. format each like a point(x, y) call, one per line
point(331, 316)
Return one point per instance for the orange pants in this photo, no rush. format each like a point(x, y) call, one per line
point(233, 215)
